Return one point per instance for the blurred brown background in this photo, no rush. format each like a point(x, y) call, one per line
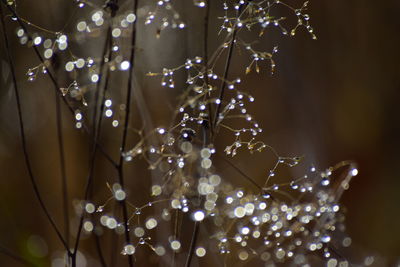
point(331, 99)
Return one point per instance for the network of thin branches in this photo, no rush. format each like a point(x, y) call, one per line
point(191, 213)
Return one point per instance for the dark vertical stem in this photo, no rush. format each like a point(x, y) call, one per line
point(96, 130)
point(98, 248)
point(64, 182)
point(207, 126)
point(226, 71)
point(52, 78)
point(225, 77)
point(23, 138)
point(205, 56)
point(128, 102)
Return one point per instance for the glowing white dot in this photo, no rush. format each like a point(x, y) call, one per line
point(108, 113)
point(90, 208)
point(206, 163)
point(47, 43)
point(125, 65)
point(139, 231)
point(131, 17)
point(205, 153)
point(129, 250)
point(108, 103)
point(239, 212)
point(62, 39)
point(200, 252)
point(48, 53)
point(119, 194)
point(156, 190)
point(111, 223)
point(88, 226)
point(245, 230)
point(37, 40)
point(243, 255)
point(94, 78)
point(20, 32)
point(354, 172)
point(151, 223)
point(62, 46)
point(198, 215)
point(215, 180)
point(80, 63)
point(116, 32)
point(81, 26)
point(69, 66)
point(78, 116)
point(175, 245)
point(97, 15)
point(99, 22)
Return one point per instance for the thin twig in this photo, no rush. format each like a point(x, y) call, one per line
point(125, 129)
point(23, 138)
point(52, 78)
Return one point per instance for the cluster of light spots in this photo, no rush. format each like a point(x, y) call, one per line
point(257, 56)
point(167, 16)
point(78, 118)
point(264, 218)
point(109, 222)
point(97, 17)
point(71, 65)
point(62, 41)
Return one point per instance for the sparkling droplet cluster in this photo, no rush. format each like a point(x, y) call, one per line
point(271, 220)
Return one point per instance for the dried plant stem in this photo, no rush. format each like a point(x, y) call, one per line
point(97, 119)
point(18, 258)
point(225, 75)
point(207, 129)
point(128, 103)
point(64, 181)
point(52, 78)
point(23, 138)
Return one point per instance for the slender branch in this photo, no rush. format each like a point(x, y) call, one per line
point(23, 138)
point(97, 122)
point(226, 71)
point(207, 129)
point(125, 129)
point(52, 78)
point(16, 257)
point(60, 139)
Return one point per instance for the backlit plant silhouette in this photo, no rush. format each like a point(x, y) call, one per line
point(186, 212)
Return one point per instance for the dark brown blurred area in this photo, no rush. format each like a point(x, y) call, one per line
point(331, 99)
